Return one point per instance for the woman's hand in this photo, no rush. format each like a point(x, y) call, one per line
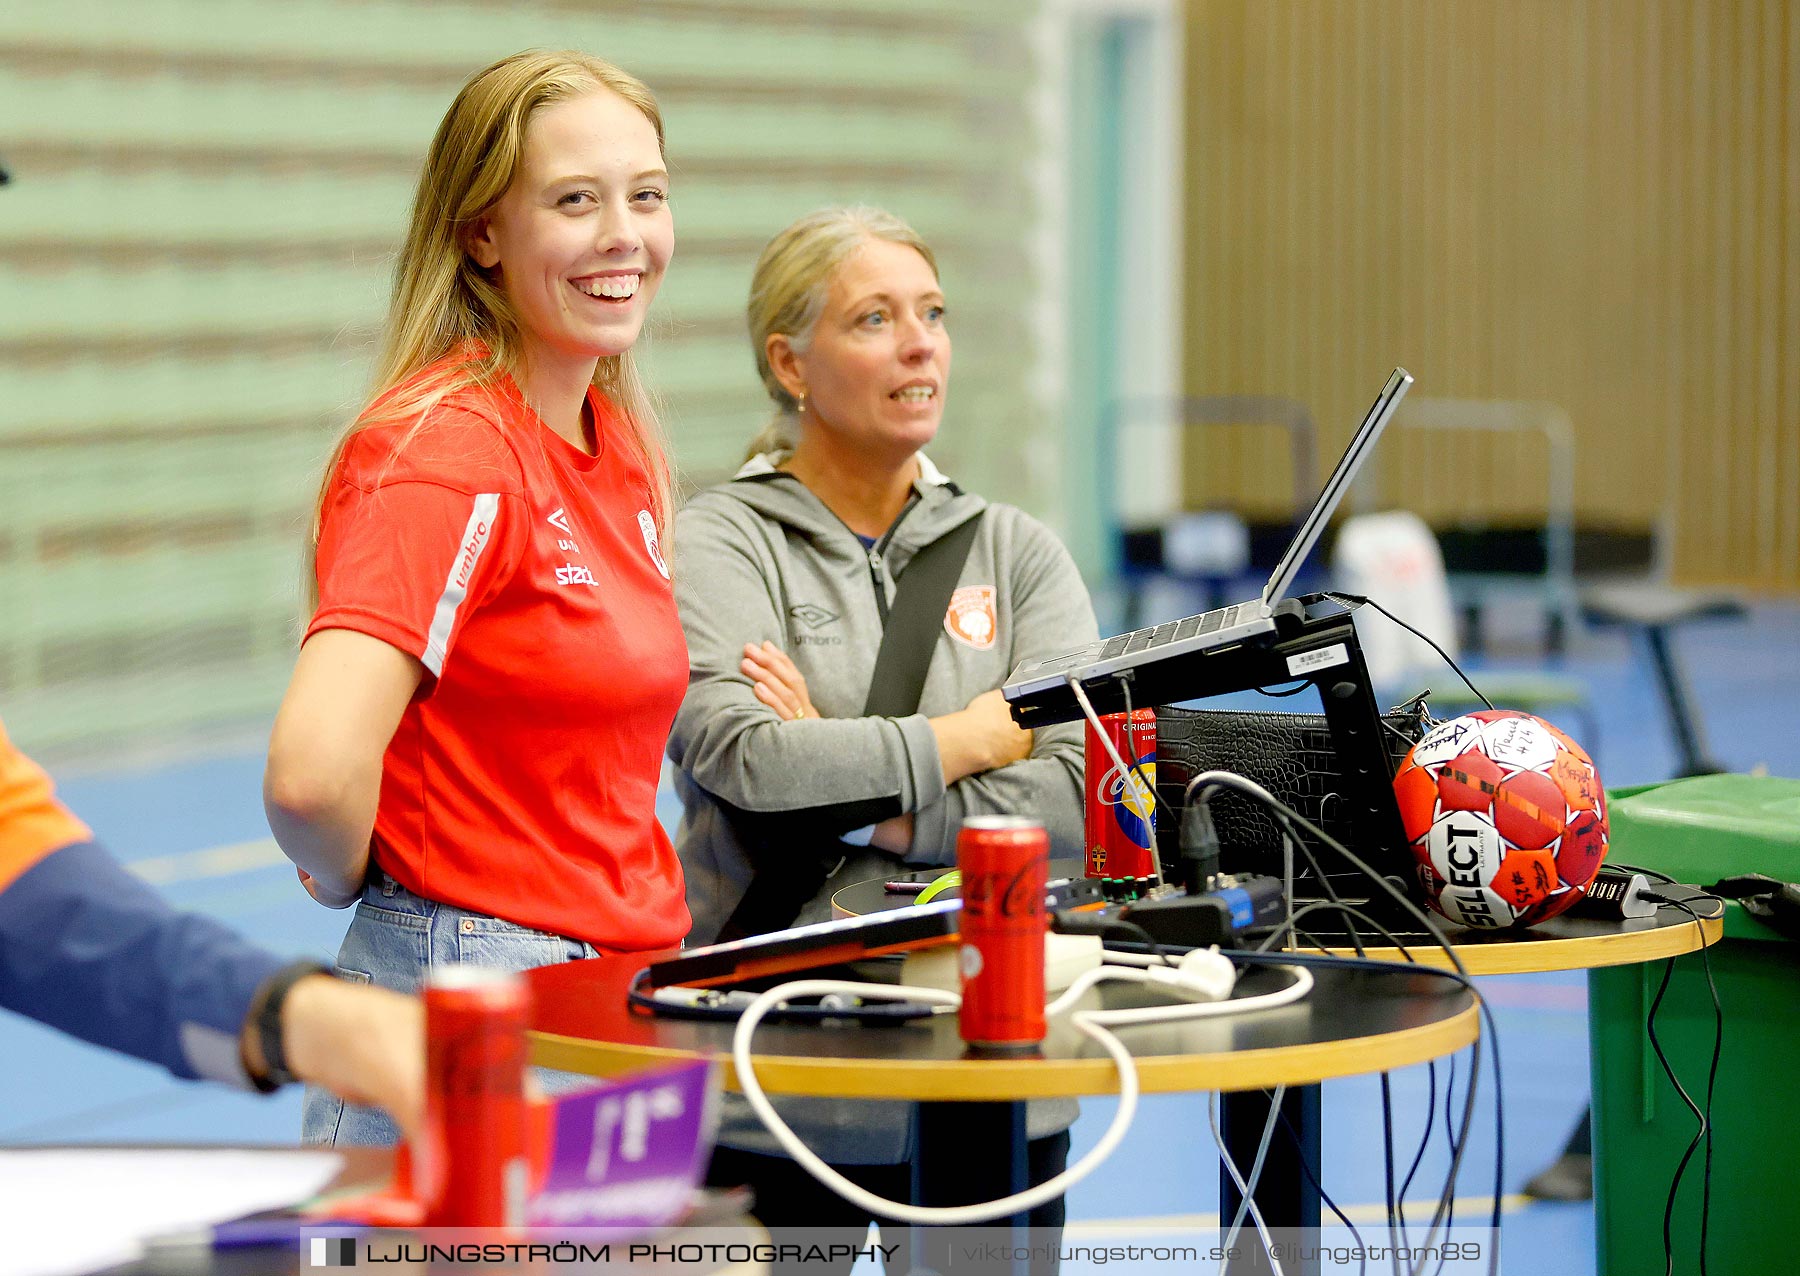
point(777, 681)
point(981, 737)
point(894, 834)
point(339, 896)
point(1007, 741)
point(364, 1044)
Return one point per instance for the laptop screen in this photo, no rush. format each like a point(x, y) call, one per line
point(1380, 412)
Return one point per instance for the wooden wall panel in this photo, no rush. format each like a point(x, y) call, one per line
point(1590, 202)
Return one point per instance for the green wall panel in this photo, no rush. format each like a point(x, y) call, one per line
point(194, 260)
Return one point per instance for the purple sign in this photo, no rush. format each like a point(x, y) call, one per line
point(627, 1157)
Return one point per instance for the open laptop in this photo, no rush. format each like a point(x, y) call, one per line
point(1223, 626)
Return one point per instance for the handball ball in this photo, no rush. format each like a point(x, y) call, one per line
point(1505, 816)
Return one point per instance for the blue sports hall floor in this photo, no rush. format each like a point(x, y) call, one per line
point(196, 830)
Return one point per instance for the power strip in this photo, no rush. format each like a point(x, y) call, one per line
point(1066, 957)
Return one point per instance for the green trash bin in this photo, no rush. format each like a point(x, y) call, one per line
point(1698, 831)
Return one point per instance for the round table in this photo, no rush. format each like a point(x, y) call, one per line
point(1354, 1022)
point(972, 1107)
point(1574, 943)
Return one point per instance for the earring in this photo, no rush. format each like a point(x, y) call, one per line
point(800, 404)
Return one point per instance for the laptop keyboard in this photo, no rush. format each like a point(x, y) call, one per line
point(1172, 631)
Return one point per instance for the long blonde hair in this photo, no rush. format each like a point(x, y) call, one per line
point(788, 290)
point(442, 301)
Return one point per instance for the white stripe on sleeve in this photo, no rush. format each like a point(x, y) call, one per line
point(475, 538)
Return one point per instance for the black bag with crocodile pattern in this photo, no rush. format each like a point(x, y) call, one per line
point(1289, 754)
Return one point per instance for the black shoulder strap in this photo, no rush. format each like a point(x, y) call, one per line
point(788, 867)
point(915, 619)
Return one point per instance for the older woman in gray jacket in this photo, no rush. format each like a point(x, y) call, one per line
point(784, 579)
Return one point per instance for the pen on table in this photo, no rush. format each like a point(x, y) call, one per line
point(904, 887)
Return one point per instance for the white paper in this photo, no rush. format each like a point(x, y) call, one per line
point(69, 1210)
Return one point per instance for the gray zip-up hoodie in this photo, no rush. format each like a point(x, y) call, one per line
point(761, 558)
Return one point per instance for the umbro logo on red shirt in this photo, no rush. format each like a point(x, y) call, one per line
point(476, 538)
point(566, 542)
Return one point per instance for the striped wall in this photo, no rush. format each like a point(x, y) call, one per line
point(194, 256)
point(1590, 202)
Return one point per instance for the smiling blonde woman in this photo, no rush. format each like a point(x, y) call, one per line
point(456, 753)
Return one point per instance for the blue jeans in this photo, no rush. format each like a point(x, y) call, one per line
point(395, 937)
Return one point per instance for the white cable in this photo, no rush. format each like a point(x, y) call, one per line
point(1231, 780)
point(986, 1212)
point(1092, 1023)
point(1131, 959)
point(1246, 1193)
point(1303, 982)
point(1127, 775)
point(1248, 1201)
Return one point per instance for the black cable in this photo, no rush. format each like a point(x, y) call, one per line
point(868, 1014)
point(1227, 780)
point(1396, 1220)
point(1459, 1138)
point(1450, 1138)
point(1360, 601)
point(1395, 1204)
point(1399, 1198)
point(1190, 796)
point(1288, 927)
point(1706, 1126)
point(1699, 1116)
point(1446, 1197)
point(1339, 906)
point(1396, 1243)
point(1331, 896)
point(1425, 1138)
point(1074, 922)
point(1397, 733)
point(1294, 690)
point(1712, 1076)
point(1306, 1168)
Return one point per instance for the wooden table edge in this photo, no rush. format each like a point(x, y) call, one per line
point(1582, 952)
point(989, 1080)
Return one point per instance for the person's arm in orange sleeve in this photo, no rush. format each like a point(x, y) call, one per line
point(88, 948)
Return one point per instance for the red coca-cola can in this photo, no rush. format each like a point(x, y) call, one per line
point(1120, 809)
point(472, 1167)
point(1005, 865)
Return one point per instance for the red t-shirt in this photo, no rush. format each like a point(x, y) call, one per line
point(526, 577)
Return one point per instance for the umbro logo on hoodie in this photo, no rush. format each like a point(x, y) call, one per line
point(812, 615)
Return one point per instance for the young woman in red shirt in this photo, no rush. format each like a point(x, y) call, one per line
point(458, 753)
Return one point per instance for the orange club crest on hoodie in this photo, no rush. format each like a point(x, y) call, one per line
point(973, 619)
